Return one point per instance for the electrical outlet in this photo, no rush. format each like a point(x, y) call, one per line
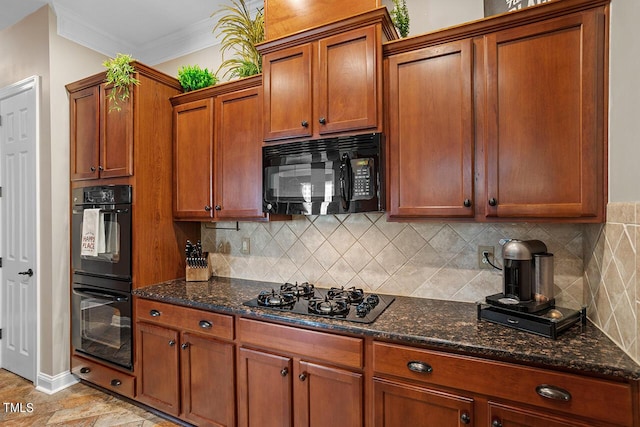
point(246, 246)
point(482, 263)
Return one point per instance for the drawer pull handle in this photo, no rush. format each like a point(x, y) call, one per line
point(154, 313)
point(553, 392)
point(419, 367)
point(115, 383)
point(465, 418)
point(513, 321)
point(205, 324)
point(85, 370)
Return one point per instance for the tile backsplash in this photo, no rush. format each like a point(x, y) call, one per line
point(612, 268)
point(431, 260)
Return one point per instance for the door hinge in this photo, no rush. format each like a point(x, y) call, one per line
point(0, 333)
point(0, 262)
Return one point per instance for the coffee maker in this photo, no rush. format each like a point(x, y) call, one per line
point(527, 277)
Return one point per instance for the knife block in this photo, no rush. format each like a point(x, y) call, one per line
point(198, 274)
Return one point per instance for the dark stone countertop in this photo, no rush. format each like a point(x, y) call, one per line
point(438, 324)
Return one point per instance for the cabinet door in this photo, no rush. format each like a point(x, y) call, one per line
point(431, 132)
point(208, 390)
point(288, 97)
point(347, 84)
point(116, 136)
point(238, 155)
point(400, 405)
point(506, 416)
point(545, 140)
point(158, 382)
point(192, 159)
point(264, 389)
point(327, 396)
point(85, 133)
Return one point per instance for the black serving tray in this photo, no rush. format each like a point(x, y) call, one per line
point(540, 323)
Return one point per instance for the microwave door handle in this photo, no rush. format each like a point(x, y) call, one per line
point(103, 295)
point(345, 182)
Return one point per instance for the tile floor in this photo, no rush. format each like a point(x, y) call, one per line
point(75, 406)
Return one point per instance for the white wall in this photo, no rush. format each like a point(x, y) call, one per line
point(431, 15)
point(624, 107)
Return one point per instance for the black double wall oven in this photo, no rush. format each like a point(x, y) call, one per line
point(101, 262)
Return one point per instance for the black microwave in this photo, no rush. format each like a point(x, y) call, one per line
point(326, 176)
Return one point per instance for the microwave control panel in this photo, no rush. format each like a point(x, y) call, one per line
point(363, 186)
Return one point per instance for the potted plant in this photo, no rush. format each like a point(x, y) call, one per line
point(120, 73)
point(240, 33)
point(192, 77)
point(400, 17)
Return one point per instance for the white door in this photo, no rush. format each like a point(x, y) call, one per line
point(18, 296)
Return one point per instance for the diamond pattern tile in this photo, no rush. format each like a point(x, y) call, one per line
point(597, 265)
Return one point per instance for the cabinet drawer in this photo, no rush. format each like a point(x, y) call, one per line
point(103, 376)
point(185, 319)
point(587, 397)
point(335, 349)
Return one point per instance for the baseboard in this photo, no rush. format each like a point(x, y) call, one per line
point(53, 384)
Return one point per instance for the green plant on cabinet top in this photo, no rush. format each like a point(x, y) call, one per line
point(240, 33)
point(120, 74)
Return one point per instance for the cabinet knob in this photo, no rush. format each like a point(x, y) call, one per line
point(552, 392)
point(218, 207)
point(100, 168)
point(207, 208)
point(419, 367)
point(305, 124)
point(184, 346)
point(467, 203)
point(115, 383)
point(465, 418)
point(322, 121)
point(205, 324)
point(496, 423)
point(92, 168)
point(284, 372)
point(302, 376)
point(154, 313)
point(172, 343)
point(493, 201)
point(85, 370)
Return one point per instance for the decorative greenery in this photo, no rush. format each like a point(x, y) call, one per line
point(400, 17)
point(240, 34)
point(193, 77)
point(120, 73)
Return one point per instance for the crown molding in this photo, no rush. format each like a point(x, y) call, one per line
point(190, 39)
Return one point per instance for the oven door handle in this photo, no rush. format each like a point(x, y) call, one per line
point(104, 295)
point(116, 211)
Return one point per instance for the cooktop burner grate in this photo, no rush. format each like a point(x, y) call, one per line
point(350, 304)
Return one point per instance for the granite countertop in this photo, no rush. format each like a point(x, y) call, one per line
point(439, 324)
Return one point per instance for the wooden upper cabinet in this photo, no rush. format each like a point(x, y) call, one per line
point(101, 140)
point(192, 159)
point(545, 118)
point(326, 81)
point(116, 142)
point(85, 133)
point(287, 82)
point(431, 132)
point(347, 83)
point(238, 155)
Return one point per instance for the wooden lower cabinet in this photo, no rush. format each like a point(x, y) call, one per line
point(443, 389)
point(289, 376)
point(103, 376)
point(399, 405)
point(277, 390)
point(181, 370)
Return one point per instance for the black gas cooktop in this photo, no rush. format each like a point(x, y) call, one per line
point(349, 304)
